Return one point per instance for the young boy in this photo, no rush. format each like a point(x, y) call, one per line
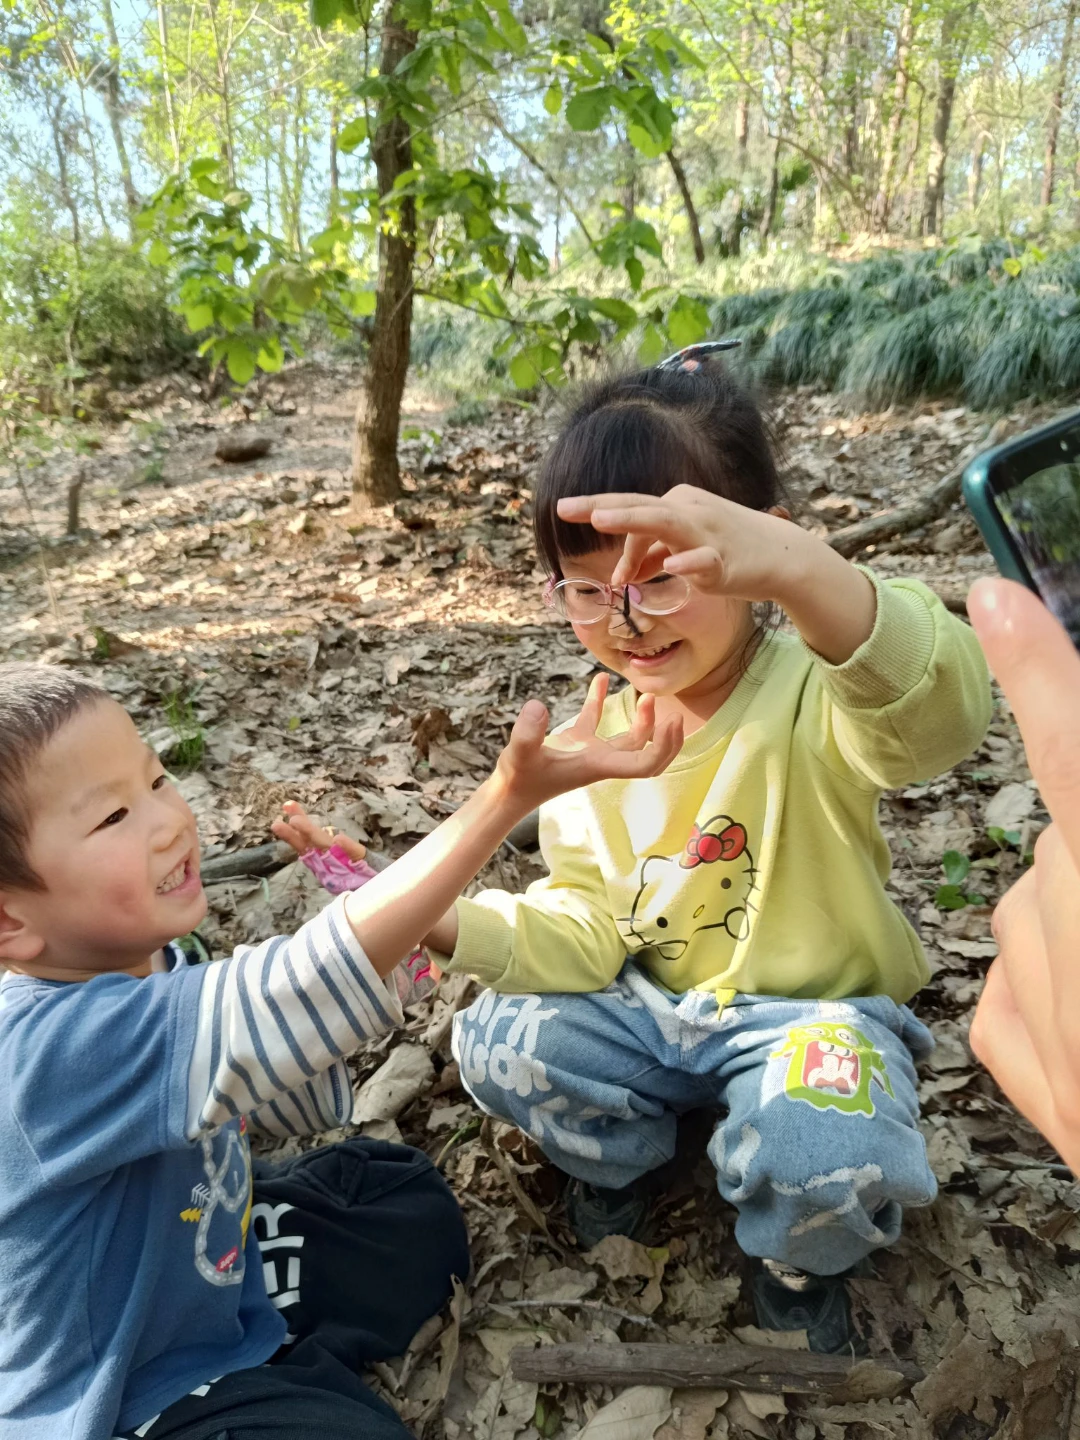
point(133, 1296)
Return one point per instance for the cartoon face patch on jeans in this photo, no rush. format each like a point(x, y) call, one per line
point(832, 1067)
point(718, 892)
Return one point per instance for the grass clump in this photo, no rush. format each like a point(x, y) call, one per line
point(973, 320)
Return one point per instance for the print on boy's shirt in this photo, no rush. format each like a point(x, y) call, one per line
point(832, 1067)
point(725, 877)
point(212, 1207)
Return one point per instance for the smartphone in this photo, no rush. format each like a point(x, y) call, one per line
point(1025, 498)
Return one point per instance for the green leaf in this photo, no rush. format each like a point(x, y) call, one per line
point(635, 272)
point(553, 98)
point(239, 361)
point(325, 13)
point(589, 108)
point(199, 317)
point(950, 897)
point(523, 372)
point(623, 314)
point(652, 345)
point(956, 867)
point(645, 143)
point(238, 199)
point(271, 357)
point(353, 134)
point(206, 166)
point(1012, 266)
point(363, 302)
point(159, 253)
point(687, 322)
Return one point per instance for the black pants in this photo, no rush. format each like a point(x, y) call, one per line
point(382, 1235)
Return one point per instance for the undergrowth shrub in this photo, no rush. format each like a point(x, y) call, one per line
point(975, 320)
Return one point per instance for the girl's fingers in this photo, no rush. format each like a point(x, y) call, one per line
point(632, 560)
point(530, 727)
point(593, 708)
point(656, 756)
point(703, 566)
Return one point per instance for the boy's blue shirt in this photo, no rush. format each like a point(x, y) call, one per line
point(104, 1321)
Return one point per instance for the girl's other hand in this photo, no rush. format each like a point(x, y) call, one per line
point(300, 831)
point(721, 547)
point(536, 767)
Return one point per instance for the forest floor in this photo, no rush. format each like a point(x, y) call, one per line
point(372, 670)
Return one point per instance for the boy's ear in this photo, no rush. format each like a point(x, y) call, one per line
point(781, 510)
point(19, 939)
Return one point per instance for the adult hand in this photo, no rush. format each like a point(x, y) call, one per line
point(536, 767)
point(1027, 1025)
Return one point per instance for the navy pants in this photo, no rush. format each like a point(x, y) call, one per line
point(360, 1242)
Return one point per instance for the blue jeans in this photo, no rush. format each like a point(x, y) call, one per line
point(819, 1148)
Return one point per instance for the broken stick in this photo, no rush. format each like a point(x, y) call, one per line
point(743, 1367)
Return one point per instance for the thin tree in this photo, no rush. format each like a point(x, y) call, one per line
point(1053, 118)
point(901, 80)
point(376, 479)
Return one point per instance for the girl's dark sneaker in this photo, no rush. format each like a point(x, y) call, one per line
point(595, 1213)
point(789, 1299)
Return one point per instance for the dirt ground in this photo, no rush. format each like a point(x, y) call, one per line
point(273, 646)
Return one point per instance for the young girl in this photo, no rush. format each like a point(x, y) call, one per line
point(720, 935)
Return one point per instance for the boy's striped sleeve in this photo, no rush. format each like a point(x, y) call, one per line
point(274, 1023)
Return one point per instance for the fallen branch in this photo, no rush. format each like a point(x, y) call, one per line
point(706, 1367)
point(266, 859)
point(246, 864)
point(928, 506)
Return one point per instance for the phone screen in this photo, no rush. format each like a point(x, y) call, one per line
point(1042, 516)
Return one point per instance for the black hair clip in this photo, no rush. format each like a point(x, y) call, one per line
point(691, 356)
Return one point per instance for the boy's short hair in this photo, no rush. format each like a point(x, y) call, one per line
point(35, 702)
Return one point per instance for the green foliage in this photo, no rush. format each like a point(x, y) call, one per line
point(64, 315)
point(935, 323)
point(186, 751)
point(954, 895)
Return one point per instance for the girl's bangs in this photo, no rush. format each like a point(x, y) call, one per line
point(629, 448)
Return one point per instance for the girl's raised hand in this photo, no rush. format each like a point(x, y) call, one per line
point(721, 547)
point(536, 767)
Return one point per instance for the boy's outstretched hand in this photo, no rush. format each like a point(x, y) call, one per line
point(300, 831)
point(412, 901)
point(536, 766)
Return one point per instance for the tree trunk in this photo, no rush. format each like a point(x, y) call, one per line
point(975, 174)
point(742, 107)
point(688, 202)
point(768, 215)
point(376, 480)
point(111, 100)
point(952, 48)
point(335, 179)
point(166, 81)
point(884, 198)
point(1053, 120)
point(852, 67)
point(629, 183)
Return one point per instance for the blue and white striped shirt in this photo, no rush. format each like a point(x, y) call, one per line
point(127, 1272)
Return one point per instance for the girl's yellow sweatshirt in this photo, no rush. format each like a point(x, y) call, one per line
point(755, 863)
